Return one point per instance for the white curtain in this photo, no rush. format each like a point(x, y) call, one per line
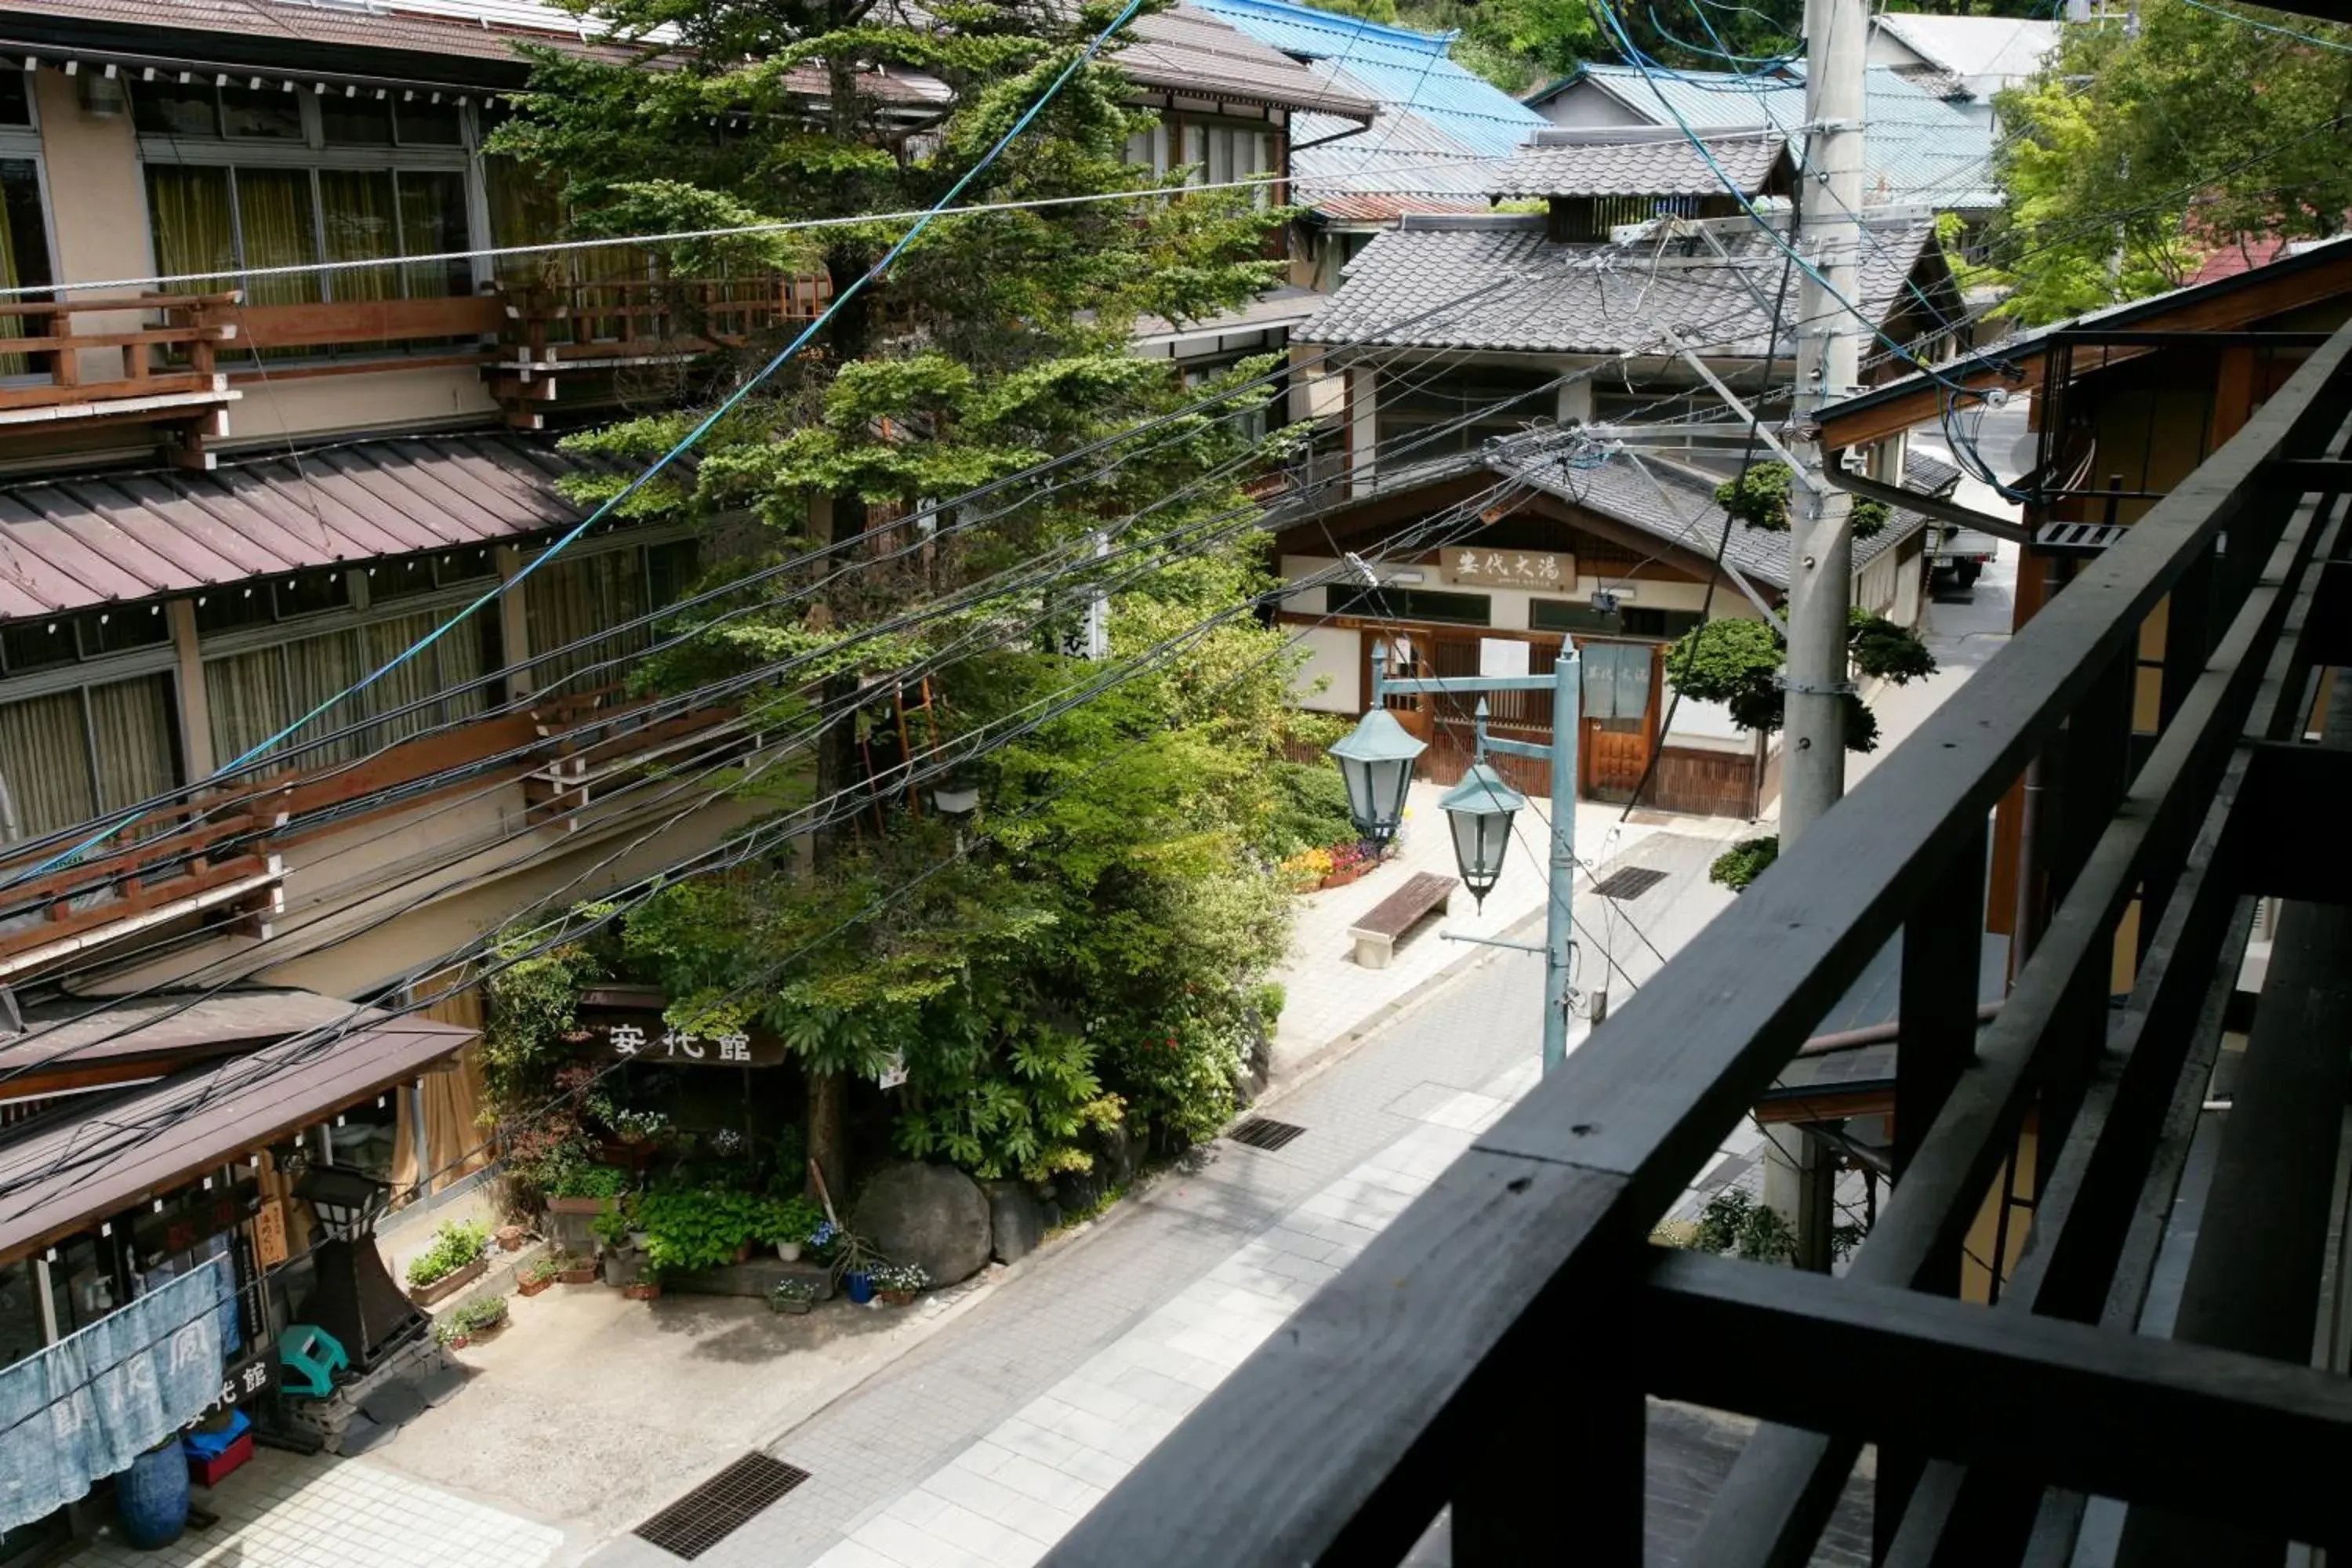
point(414, 680)
point(246, 693)
point(317, 668)
point(131, 729)
point(45, 761)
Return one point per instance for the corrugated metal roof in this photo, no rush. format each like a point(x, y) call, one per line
point(1581, 299)
point(1401, 69)
point(106, 538)
point(1984, 53)
point(1644, 160)
point(1917, 150)
point(1404, 163)
point(78, 1166)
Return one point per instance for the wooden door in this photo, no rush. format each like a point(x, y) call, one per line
point(1621, 717)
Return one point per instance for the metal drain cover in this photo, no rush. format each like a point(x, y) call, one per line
point(1264, 1133)
point(720, 1506)
point(1631, 882)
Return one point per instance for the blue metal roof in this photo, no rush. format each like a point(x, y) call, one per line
point(1918, 150)
point(1404, 69)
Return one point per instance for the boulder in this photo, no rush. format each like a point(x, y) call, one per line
point(1017, 1220)
point(930, 1216)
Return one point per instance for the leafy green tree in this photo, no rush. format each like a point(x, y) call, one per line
point(1737, 662)
point(2135, 157)
point(1122, 852)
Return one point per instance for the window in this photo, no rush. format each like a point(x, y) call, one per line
point(1429, 415)
point(571, 599)
point(243, 177)
point(1220, 152)
point(72, 756)
point(23, 247)
point(1627, 620)
point(16, 98)
point(29, 645)
point(1412, 605)
point(254, 693)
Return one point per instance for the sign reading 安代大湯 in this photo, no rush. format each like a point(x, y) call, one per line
point(1475, 568)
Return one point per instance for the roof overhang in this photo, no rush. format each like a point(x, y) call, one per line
point(2226, 304)
point(156, 1138)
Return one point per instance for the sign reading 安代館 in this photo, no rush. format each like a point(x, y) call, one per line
point(1475, 568)
point(654, 1042)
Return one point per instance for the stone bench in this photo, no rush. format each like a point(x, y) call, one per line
point(1385, 924)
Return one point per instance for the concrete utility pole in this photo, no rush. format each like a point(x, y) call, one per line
point(1829, 355)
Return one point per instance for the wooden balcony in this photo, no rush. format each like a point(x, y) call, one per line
point(223, 856)
point(1491, 1355)
point(165, 365)
point(157, 350)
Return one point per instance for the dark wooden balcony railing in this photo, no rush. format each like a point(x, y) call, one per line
point(162, 346)
point(1494, 1350)
point(223, 855)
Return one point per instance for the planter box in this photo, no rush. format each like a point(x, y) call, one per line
point(1342, 878)
point(759, 1276)
point(533, 1287)
point(447, 1285)
point(586, 1274)
point(579, 1205)
point(642, 1292)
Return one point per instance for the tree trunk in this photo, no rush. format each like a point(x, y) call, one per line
point(828, 1131)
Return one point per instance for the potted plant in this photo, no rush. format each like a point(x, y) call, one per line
point(645, 1287)
point(510, 1237)
point(789, 1224)
point(897, 1283)
point(639, 1126)
point(541, 1272)
point(587, 1189)
point(572, 1270)
point(474, 1321)
point(855, 1262)
point(611, 1228)
point(450, 1261)
point(792, 1296)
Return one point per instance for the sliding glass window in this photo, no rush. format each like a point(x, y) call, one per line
point(24, 223)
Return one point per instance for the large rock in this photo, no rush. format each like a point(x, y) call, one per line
point(930, 1216)
point(1017, 1220)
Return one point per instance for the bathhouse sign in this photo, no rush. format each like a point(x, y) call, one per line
point(1475, 568)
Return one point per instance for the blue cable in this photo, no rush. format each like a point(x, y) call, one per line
point(684, 446)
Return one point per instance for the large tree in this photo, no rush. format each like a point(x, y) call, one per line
point(1118, 892)
point(2137, 156)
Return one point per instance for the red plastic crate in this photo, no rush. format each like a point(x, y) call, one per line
point(208, 1472)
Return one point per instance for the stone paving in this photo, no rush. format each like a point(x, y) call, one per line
point(281, 1510)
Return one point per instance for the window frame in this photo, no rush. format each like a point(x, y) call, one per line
point(313, 155)
point(84, 676)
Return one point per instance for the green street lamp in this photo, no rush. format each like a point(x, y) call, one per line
point(1479, 809)
point(1376, 762)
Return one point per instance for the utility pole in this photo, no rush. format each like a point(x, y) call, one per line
point(1798, 1173)
point(1829, 357)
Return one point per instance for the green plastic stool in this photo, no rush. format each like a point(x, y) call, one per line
point(315, 1355)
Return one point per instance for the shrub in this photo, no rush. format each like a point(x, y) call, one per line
point(453, 1245)
point(590, 1181)
point(688, 1228)
point(1744, 862)
point(484, 1312)
point(1309, 809)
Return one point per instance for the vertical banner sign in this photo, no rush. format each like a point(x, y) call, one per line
point(269, 1235)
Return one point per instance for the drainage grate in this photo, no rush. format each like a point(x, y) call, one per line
point(1263, 1133)
point(1630, 883)
point(720, 1506)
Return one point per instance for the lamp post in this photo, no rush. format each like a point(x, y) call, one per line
point(1376, 760)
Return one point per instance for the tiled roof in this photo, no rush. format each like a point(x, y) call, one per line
point(1917, 150)
point(1677, 505)
point(1581, 299)
point(1191, 50)
point(107, 538)
point(1402, 69)
point(1642, 160)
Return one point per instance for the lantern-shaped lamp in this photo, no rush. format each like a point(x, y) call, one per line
point(1479, 809)
point(1376, 760)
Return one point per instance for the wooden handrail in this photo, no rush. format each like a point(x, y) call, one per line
point(1493, 1347)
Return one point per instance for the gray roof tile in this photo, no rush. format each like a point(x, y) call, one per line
point(1581, 299)
point(1644, 160)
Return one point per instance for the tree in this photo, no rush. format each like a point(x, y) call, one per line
point(999, 340)
point(1737, 662)
point(2134, 157)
